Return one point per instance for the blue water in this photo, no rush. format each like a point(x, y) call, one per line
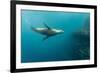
point(57, 48)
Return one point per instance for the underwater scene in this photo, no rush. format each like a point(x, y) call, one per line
point(48, 36)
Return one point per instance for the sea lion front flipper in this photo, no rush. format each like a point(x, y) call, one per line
point(45, 37)
point(47, 26)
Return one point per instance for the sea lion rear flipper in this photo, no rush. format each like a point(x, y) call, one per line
point(33, 29)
